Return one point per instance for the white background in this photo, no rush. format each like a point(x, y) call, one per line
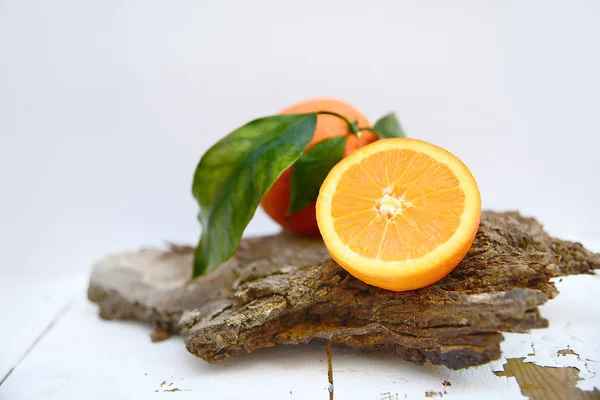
point(107, 106)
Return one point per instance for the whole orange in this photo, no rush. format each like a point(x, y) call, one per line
point(277, 200)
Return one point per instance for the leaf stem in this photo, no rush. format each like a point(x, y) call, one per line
point(353, 126)
point(367, 128)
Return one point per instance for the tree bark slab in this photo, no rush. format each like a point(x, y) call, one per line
point(286, 289)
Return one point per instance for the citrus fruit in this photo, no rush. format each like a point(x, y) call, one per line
point(277, 200)
point(399, 214)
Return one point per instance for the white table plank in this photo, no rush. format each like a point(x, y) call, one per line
point(28, 308)
point(377, 377)
point(387, 377)
point(116, 360)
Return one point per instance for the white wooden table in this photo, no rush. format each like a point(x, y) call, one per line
point(54, 346)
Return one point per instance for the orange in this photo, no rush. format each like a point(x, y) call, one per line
point(399, 214)
point(277, 200)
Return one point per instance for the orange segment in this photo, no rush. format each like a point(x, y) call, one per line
point(399, 214)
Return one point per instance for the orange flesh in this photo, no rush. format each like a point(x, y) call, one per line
point(399, 214)
point(427, 199)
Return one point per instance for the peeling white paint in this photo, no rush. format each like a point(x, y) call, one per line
point(574, 324)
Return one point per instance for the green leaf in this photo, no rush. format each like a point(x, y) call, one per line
point(311, 169)
point(235, 174)
point(388, 126)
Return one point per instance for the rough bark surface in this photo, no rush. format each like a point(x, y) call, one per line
point(286, 289)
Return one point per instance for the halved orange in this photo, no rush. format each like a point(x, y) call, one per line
point(399, 214)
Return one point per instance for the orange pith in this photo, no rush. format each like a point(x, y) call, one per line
point(399, 214)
